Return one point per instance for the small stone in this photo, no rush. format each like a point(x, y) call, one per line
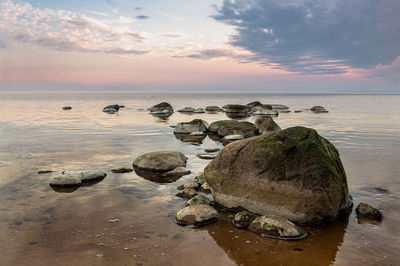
point(177, 172)
point(365, 210)
point(67, 108)
point(196, 215)
point(210, 150)
point(206, 156)
point(187, 193)
point(65, 180)
point(243, 219)
point(192, 184)
point(121, 170)
point(205, 188)
point(200, 179)
point(275, 226)
point(113, 220)
point(199, 199)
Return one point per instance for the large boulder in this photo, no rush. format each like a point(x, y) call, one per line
point(162, 107)
point(294, 173)
point(161, 161)
point(236, 108)
point(190, 127)
point(232, 127)
point(266, 125)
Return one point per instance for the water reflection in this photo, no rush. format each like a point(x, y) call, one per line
point(190, 138)
point(237, 116)
point(156, 176)
point(74, 188)
point(245, 248)
point(163, 116)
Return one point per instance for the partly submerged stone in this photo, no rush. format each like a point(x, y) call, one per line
point(232, 127)
point(211, 150)
point(212, 109)
point(193, 185)
point(199, 111)
point(164, 106)
point(196, 215)
point(233, 137)
point(161, 161)
point(195, 125)
point(266, 125)
point(177, 172)
point(187, 193)
point(275, 226)
point(65, 180)
point(206, 156)
point(261, 110)
point(294, 173)
point(187, 110)
point(278, 106)
point(243, 219)
point(121, 170)
point(67, 108)
point(319, 109)
point(236, 108)
point(199, 199)
point(365, 210)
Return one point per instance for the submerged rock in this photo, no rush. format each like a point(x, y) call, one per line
point(365, 210)
point(232, 127)
point(243, 219)
point(110, 110)
point(162, 107)
point(121, 170)
point(86, 176)
point(319, 109)
point(275, 226)
point(65, 180)
point(294, 173)
point(187, 193)
point(266, 125)
point(197, 200)
point(161, 161)
point(196, 215)
point(67, 108)
point(213, 109)
point(196, 125)
point(187, 110)
point(193, 138)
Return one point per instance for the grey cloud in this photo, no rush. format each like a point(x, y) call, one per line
point(210, 54)
point(142, 17)
point(316, 36)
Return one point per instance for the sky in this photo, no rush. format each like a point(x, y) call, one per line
point(209, 45)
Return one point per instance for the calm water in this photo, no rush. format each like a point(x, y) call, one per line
point(39, 226)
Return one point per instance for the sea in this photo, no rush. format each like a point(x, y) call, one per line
point(128, 220)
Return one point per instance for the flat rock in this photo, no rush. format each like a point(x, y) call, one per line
point(193, 185)
point(243, 219)
point(319, 109)
point(206, 156)
point(275, 226)
point(187, 110)
point(199, 199)
point(213, 109)
point(187, 193)
point(162, 161)
point(365, 210)
point(65, 180)
point(87, 176)
point(210, 150)
point(196, 215)
point(278, 106)
point(195, 125)
point(67, 108)
point(177, 172)
point(199, 111)
point(121, 170)
point(236, 108)
point(233, 137)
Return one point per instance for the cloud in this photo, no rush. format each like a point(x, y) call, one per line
point(67, 31)
point(315, 36)
point(142, 17)
point(210, 54)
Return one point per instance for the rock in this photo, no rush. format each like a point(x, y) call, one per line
point(45, 172)
point(232, 127)
point(319, 109)
point(294, 173)
point(233, 137)
point(199, 111)
point(275, 226)
point(196, 215)
point(206, 156)
point(162, 107)
point(86, 176)
point(193, 185)
point(236, 108)
point(205, 188)
point(121, 170)
point(200, 179)
point(278, 106)
point(365, 210)
point(187, 193)
point(190, 127)
point(67, 108)
point(161, 161)
point(187, 110)
point(261, 110)
point(212, 150)
point(65, 180)
point(113, 106)
point(110, 110)
point(199, 199)
point(177, 172)
point(254, 104)
point(197, 133)
point(243, 219)
point(266, 125)
point(190, 138)
point(284, 111)
point(213, 109)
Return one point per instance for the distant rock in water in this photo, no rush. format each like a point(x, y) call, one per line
point(254, 104)
point(232, 127)
point(111, 109)
point(162, 107)
point(278, 106)
point(365, 210)
point(294, 173)
point(236, 108)
point(199, 111)
point(190, 127)
point(262, 110)
point(67, 108)
point(187, 110)
point(45, 172)
point(196, 215)
point(213, 109)
point(266, 125)
point(319, 109)
point(121, 170)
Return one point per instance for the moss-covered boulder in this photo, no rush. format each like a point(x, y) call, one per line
point(266, 125)
point(196, 125)
point(233, 127)
point(294, 173)
point(243, 219)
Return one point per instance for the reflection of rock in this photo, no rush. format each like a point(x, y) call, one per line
point(196, 215)
point(236, 108)
point(237, 115)
point(195, 125)
point(199, 111)
point(190, 138)
point(294, 173)
point(365, 210)
point(64, 189)
point(157, 177)
point(266, 125)
point(111, 109)
point(162, 115)
point(162, 107)
point(319, 248)
point(187, 110)
point(261, 110)
point(275, 226)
